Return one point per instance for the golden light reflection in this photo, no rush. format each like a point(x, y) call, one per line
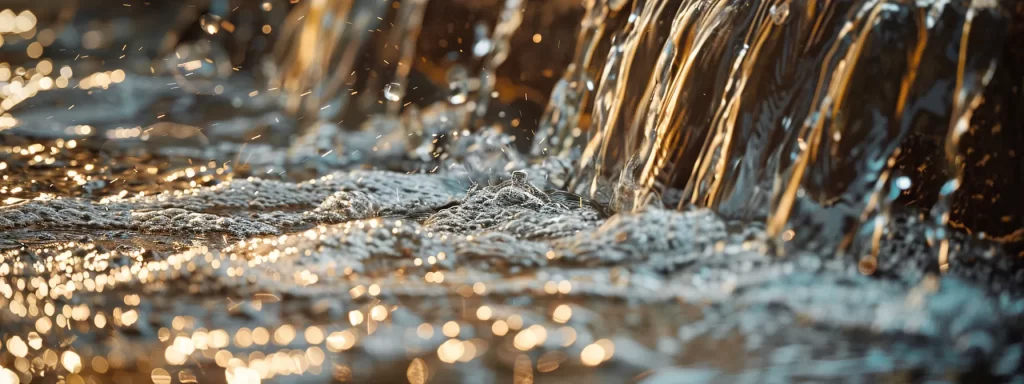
point(522, 370)
point(451, 329)
point(592, 355)
point(562, 314)
point(314, 335)
point(483, 313)
point(340, 341)
point(52, 287)
point(450, 351)
point(499, 328)
point(417, 372)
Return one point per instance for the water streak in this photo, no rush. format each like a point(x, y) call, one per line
point(499, 48)
point(784, 111)
point(318, 47)
point(407, 29)
point(797, 113)
point(974, 70)
point(567, 99)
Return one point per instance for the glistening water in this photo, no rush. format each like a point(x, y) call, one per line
point(438, 191)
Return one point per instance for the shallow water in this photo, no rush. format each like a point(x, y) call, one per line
point(188, 223)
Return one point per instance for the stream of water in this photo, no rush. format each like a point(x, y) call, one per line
point(521, 191)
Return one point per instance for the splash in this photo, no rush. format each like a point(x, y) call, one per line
point(793, 112)
point(562, 113)
point(855, 136)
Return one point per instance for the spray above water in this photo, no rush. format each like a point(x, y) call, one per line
point(685, 144)
point(788, 112)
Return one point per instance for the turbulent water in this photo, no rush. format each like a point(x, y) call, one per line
point(801, 113)
point(518, 191)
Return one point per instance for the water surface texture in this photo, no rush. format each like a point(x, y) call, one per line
point(513, 191)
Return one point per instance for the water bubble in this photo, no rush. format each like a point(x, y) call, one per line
point(210, 23)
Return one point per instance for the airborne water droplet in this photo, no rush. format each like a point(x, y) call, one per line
point(483, 42)
point(481, 48)
point(393, 92)
point(210, 23)
point(903, 183)
point(458, 84)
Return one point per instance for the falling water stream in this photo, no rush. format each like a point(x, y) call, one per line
point(653, 191)
point(758, 109)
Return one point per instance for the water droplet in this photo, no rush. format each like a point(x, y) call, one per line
point(393, 92)
point(483, 44)
point(481, 48)
point(195, 63)
point(903, 183)
point(949, 187)
point(458, 85)
point(210, 23)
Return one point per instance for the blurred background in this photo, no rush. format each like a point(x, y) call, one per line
point(138, 63)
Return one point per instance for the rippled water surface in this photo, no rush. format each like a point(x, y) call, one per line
point(511, 191)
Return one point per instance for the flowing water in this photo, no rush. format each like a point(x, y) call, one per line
point(791, 112)
point(521, 191)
